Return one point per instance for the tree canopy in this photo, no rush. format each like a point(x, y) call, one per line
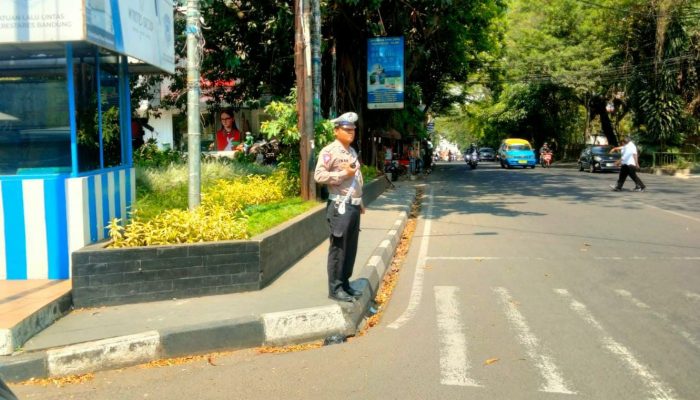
point(575, 68)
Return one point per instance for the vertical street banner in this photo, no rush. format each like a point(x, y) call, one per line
point(385, 72)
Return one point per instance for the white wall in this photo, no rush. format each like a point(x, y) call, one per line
point(162, 129)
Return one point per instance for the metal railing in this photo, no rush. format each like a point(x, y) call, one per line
point(664, 159)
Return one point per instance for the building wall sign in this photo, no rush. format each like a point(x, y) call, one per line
point(136, 28)
point(385, 72)
point(26, 21)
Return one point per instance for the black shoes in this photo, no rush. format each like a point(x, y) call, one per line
point(341, 295)
point(639, 189)
point(615, 188)
point(353, 292)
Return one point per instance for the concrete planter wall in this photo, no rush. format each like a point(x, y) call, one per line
point(103, 276)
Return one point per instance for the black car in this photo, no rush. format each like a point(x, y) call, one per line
point(598, 158)
point(487, 154)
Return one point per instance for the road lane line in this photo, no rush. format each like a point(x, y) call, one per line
point(454, 360)
point(672, 212)
point(554, 382)
point(675, 328)
point(692, 296)
point(417, 289)
point(463, 258)
point(657, 388)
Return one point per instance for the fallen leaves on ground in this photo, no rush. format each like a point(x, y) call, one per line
point(491, 361)
point(289, 349)
point(62, 381)
point(167, 362)
point(391, 278)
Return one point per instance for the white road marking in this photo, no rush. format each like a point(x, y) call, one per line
point(677, 329)
point(417, 289)
point(672, 212)
point(463, 258)
point(657, 388)
point(454, 360)
point(554, 382)
point(692, 296)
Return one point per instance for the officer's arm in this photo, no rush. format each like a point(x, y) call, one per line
point(323, 175)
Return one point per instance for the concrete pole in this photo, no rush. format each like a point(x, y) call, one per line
point(193, 95)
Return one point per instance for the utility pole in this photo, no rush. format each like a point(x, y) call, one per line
point(302, 63)
point(193, 95)
point(316, 58)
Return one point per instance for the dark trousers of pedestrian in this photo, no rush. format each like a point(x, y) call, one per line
point(345, 231)
point(630, 170)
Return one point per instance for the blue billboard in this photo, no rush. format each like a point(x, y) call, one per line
point(385, 73)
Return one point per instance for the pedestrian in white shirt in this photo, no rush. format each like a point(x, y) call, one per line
point(630, 165)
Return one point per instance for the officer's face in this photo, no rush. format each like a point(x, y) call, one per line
point(345, 135)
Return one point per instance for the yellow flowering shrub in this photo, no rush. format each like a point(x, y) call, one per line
point(204, 224)
point(238, 194)
point(219, 217)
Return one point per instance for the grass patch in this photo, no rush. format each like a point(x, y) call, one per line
point(149, 204)
point(265, 216)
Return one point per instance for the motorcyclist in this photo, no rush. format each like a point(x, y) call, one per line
point(545, 149)
point(473, 151)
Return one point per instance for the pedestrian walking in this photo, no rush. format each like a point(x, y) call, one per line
point(629, 165)
point(338, 167)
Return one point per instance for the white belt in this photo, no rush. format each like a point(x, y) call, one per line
point(355, 201)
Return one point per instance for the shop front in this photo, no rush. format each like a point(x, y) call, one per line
point(66, 166)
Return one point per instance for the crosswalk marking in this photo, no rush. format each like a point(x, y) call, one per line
point(554, 382)
point(677, 329)
point(417, 289)
point(454, 361)
point(658, 389)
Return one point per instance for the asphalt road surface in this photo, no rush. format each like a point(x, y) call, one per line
point(519, 284)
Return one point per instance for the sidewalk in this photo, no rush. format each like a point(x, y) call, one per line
point(293, 309)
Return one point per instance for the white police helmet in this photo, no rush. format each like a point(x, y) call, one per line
point(346, 120)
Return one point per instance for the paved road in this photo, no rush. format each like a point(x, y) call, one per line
point(520, 284)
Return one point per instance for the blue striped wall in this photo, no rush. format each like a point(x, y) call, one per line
point(44, 219)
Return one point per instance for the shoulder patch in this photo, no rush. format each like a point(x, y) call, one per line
point(326, 158)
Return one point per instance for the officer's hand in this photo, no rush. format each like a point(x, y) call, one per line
point(349, 170)
point(362, 209)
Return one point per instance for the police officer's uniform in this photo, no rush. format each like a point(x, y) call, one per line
point(342, 212)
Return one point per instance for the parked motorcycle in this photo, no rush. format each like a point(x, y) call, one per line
point(265, 151)
point(472, 159)
point(546, 159)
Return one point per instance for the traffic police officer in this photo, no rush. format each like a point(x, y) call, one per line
point(339, 168)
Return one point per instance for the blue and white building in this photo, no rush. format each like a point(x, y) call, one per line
point(65, 122)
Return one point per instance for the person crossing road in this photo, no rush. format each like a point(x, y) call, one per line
point(629, 167)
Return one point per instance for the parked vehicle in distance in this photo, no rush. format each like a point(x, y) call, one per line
point(487, 154)
point(516, 153)
point(595, 157)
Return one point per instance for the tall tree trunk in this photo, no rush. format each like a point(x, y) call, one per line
point(597, 105)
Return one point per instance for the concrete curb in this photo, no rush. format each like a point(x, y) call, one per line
point(275, 329)
point(11, 338)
